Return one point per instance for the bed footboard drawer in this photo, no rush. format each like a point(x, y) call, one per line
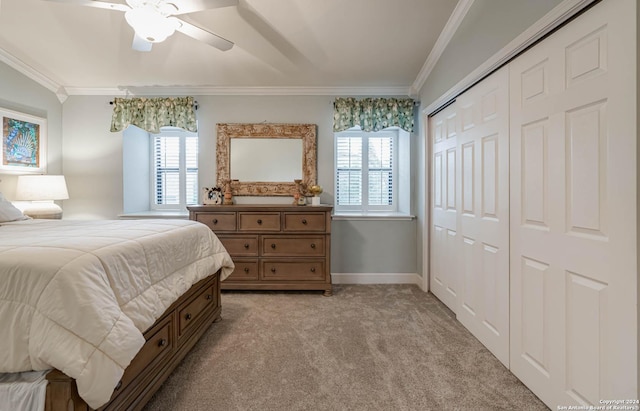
point(159, 344)
point(191, 312)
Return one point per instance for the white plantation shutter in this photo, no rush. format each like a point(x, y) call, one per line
point(175, 170)
point(191, 159)
point(366, 171)
point(349, 171)
point(380, 171)
point(167, 169)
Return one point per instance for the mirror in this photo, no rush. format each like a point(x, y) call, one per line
point(265, 158)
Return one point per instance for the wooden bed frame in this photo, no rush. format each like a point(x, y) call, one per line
point(168, 341)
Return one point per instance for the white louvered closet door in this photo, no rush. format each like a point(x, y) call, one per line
point(573, 224)
point(483, 218)
point(444, 277)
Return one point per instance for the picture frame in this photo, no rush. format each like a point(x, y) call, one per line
point(212, 195)
point(23, 145)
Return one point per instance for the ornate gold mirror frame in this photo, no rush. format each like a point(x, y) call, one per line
point(227, 131)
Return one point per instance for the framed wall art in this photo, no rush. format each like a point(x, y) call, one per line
point(24, 143)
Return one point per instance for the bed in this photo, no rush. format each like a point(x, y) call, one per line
point(110, 307)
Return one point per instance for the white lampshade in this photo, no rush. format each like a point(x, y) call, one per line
point(41, 187)
point(38, 193)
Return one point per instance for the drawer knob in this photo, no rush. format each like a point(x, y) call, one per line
point(209, 296)
point(215, 221)
point(313, 245)
point(246, 269)
point(259, 221)
point(313, 269)
point(188, 316)
point(246, 245)
point(118, 386)
point(273, 269)
point(162, 342)
point(304, 221)
point(273, 246)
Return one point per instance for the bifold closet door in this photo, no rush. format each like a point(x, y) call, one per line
point(573, 205)
point(470, 231)
point(483, 217)
point(444, 277)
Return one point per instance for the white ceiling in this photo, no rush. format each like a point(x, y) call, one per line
point(310, 44)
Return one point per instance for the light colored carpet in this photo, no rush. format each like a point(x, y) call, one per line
point(368, 347)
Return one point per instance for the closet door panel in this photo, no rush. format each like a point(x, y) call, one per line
point(444, 258)
point(484, 219)
point(573, 211)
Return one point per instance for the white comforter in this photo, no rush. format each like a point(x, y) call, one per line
point(77, 295)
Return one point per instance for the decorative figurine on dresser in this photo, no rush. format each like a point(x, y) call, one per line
point(274, 247)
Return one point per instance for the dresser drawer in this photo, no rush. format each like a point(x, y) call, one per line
point(294, 246)
point(245, 271)
point(259, 221)
point(304, 222)
point(246, 246)
point(218, 221)
point(159, 344)
point(307, 270)
point(189, 314)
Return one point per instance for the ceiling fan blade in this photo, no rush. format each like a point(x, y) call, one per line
point(191, 6)
point(204, 36)
point(97, 4)
point(140, 44)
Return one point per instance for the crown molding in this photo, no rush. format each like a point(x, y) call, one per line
point(25, 69)
point(560, 14)
point(63, 92)
point(97, 91)
point(239, 91)
point(450, 28)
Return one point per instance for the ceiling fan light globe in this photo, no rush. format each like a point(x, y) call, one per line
point(151, 25)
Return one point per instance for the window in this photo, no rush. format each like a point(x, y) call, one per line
point(366, 171)
point(174, 170)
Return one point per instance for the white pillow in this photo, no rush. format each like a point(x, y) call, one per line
point(8, 212)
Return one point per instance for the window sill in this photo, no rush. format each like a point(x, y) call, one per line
point(372, 216)
point(155, 214)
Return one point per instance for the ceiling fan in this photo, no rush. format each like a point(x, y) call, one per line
point(154, 20)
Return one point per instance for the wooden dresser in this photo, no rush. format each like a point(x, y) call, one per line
point(274, 247)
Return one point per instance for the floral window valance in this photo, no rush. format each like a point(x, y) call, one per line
point(152, 113)
point(372, 114)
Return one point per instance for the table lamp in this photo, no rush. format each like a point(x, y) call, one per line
point(41, 191)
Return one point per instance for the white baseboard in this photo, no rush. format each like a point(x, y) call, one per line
point(376, 278)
